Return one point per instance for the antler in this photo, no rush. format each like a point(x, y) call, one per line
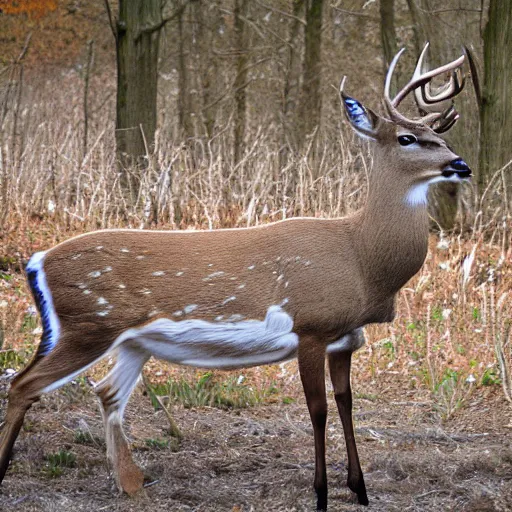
point(432, 103)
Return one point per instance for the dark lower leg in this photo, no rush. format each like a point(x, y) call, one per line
point(339, 366)
point(13, 422)
point(312, 372)
point(27, 387)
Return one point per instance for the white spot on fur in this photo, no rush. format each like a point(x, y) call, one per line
point(349, 343)
point(140, 257)
point(219, 318)
point(307, 263)
point(251, 267)
point(191, 307)
point(145, 291)
point(235, 318)
point(280, 277)
point(216, 274)
point(241, 286)
point(76, 256)
point(229, 299)
point(87, 292)
point(210, 264)
point(82, 286)
point(107, 269)
point(102, 300)
point(158, 273)
point(95, 273)
point(102, 313)
point(178, 274)
point(284, 301)
point(99, 247)
point(122, 286)
point(178, 313)
point(418, 194)
point(153, 313)
point(286, 284)
point(124, 249)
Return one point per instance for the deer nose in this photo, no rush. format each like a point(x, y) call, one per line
point(458, 167)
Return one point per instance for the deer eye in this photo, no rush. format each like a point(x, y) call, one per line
point(405, 140)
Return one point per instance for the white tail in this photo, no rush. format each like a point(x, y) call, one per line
point(242, 297)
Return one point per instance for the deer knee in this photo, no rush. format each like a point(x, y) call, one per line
point(344, 398)
point(318, 414)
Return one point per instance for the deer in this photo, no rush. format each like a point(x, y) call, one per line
point(236, 298)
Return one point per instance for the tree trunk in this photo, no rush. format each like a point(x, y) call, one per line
point(184, 104)
point(387, 31)
point(209, 19)
point(240, 84)
point(138, 32)
point(311, 106)
point(496, 112)
point(418, 29)
point(291, 87)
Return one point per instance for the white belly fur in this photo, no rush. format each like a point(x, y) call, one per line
point(218, 345)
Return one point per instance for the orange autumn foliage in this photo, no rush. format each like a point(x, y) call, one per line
point(32, 8)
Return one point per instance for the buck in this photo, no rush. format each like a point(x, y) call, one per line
point(235, 298)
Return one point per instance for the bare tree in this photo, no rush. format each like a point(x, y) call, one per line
point(291, 83)
point(387, 31)
point(184, 103)
point(496, 111)
point(137, 33)
point(311, 100)
point(240, 12)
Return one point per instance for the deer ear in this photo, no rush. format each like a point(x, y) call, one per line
point(364, 121)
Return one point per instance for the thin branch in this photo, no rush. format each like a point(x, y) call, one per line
point(110, 19)
point(25, 49)
point(442, 11)
point(354, 13)
point(287, 14)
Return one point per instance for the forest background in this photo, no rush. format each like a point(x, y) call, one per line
point(205, 114)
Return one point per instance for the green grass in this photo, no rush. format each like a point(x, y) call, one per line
point(57, 462)
point(85, 437)
point(158, 443)
point(208, 392)
point(12, 359)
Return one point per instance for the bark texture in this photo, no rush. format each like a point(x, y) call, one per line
point(138, 32)
point(496, 112)
point(311, 105)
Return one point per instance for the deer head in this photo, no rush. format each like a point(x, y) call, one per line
point(409, 152)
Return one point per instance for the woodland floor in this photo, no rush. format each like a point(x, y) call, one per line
point(261, 458)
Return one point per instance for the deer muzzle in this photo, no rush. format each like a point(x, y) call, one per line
point(457, 167)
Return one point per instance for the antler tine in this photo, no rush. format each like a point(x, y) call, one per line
point(419, 78)
point(387, 85)
point(448, 119)
point(445, 92)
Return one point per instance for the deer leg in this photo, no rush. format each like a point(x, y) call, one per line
point(114, 391)
point(42, 375)
point(339, 367)
point(312, 373)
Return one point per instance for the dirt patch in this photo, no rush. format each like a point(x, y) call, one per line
point(261, 458)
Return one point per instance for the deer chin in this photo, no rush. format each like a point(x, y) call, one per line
point(418, 193)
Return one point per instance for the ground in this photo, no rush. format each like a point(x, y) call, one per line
point(261, 458)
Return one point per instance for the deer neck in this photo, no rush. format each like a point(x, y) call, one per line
point(394, 238)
